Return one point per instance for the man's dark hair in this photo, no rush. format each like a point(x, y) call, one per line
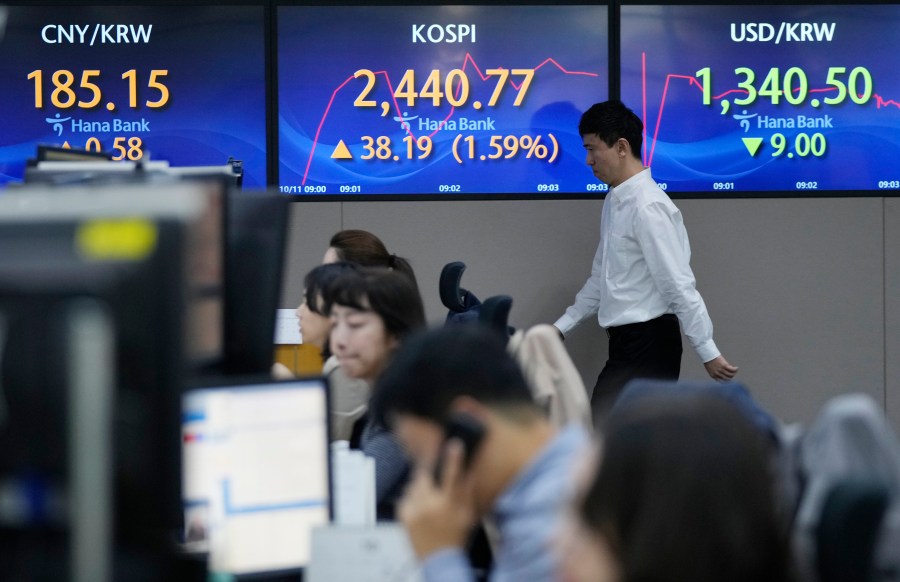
point(431, 369)
point(611, 121)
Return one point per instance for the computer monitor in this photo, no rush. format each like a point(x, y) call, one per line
point(130, 262)
point(51, 153)
point(256, 236)
point(56, 381)
point(104, 211)
point(66, 167)
point(256, 476)
point(237, 274)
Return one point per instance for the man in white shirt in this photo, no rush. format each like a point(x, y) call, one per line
point(641, 284)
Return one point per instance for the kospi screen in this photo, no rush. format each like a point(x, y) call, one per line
point(437, 100)
point(742, 99)
point(183, 84)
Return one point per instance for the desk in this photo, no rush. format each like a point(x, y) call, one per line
point(301, 359)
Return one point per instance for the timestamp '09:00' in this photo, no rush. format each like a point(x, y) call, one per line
point(304, 189)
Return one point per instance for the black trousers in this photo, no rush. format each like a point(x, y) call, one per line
point(650, 349)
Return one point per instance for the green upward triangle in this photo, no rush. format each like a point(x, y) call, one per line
point(752, 144)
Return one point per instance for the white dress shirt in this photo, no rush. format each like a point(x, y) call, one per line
point(642, 267)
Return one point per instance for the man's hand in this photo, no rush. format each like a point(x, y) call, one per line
point(719, 369)
point(439, 515)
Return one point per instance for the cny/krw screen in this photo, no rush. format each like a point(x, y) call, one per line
point(434, 100)
point(182, 84)
point(755, 99)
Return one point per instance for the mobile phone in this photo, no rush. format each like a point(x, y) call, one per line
point(469, 431)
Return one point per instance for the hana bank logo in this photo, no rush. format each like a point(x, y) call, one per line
point(57, 123)
point(404, 120)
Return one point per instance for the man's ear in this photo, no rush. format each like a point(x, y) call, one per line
point(470, 406)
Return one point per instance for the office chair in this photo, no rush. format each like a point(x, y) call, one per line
point(848, 530)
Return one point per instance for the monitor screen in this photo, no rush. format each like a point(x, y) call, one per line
point(743, 100)
point(183, 84)
point(441, 101)
point(256, 477)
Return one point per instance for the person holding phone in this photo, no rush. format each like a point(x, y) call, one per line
point(482, 449)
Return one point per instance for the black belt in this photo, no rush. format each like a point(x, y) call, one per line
point(620, 328)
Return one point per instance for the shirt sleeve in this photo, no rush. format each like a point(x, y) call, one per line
point(668, 259)
point(447, 565)
point(587, 301)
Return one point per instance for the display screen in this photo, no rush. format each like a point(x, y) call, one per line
point(437, 100)
point(182, 84)
point(256, 477)
point(756, 99)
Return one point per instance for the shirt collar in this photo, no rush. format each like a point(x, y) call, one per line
point(621, 191)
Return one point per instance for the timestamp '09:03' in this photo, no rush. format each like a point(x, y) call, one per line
point(603, 187)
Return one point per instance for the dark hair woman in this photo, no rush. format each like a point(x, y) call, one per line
point(364, 248)
point(372, 311)
point(683, 491)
